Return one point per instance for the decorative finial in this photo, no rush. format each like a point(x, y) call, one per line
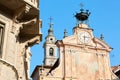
point(101, 37)
point(65, 33)
point(51, 24)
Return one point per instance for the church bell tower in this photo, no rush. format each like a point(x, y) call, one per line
point(50, 49)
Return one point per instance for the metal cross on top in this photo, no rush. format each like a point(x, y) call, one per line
point(51, 24)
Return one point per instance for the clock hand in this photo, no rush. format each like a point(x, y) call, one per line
point(84, 37)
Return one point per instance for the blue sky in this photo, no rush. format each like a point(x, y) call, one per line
point(104, 19)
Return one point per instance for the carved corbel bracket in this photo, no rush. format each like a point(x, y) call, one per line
point(19, 13)
point(34, 41)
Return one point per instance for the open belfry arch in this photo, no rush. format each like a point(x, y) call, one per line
point(82, 56)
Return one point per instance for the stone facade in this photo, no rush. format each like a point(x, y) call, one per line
point(82, 56)
point(19, 30)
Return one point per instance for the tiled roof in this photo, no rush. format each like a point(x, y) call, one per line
point(115, 68)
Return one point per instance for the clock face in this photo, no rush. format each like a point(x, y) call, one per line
point(84, 37)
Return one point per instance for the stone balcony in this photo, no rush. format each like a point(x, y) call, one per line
point(20, 10)
point(31, 32)
point(25, 13)
point(13, 4)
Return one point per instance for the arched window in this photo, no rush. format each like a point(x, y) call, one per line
point(51, 51)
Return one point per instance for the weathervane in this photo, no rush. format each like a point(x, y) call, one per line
point(81, 5)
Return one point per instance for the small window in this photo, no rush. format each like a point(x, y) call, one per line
point(51, 51)
point(1, 37)
point(51, 39)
